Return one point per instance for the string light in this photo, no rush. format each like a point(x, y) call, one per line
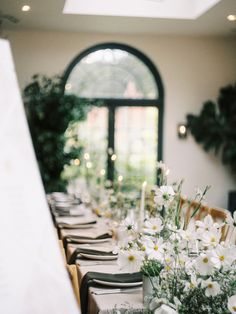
point(113, 157)
point(89, 164)
point(25, 8)
point(102, 172)
point(76, 162)
point(86, 156)
point(120, 178)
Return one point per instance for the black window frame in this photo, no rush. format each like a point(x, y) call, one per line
point(113, 103)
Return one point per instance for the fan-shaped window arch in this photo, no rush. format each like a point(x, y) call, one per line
point(130, 86)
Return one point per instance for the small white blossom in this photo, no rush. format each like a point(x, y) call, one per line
point(130, 260)
point(207, 224)
point(222, 257)
point(155, 249)
point(204, 264)
point(211, 238)
point(232, 304)
point(164, 195)
point(153, 225)
point(193, 283)
point(212, 287)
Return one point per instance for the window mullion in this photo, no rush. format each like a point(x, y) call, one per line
point(111, 142)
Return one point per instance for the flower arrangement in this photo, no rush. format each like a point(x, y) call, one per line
point(196, 265)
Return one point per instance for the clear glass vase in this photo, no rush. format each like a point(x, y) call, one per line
point(148, 287)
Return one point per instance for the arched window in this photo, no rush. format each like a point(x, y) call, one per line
point(125, 135)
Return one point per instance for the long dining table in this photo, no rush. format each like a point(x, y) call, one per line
point(104, 298)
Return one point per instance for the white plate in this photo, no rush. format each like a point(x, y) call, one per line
point(99, 257)
point(118, 284)
point(90, 240)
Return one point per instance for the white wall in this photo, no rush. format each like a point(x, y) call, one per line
point(192, 70)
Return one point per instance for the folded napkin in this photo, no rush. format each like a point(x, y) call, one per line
point(77, 251)
point(74, 222)
point(75, 226)
point(87, 282)
point(76, 238)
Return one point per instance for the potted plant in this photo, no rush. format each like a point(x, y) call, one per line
point(215, 129)
point(49, 112)
point(150, 270)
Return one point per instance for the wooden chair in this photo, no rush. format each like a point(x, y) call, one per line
point(187, 208)
point(72, 271)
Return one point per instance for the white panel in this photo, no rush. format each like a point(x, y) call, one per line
point(33, 279)
point(172, 9)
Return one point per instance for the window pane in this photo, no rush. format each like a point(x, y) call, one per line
point(136, 144)
point(93, 134)
point(112, 73)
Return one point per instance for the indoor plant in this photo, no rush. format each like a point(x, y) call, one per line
point(215, 129)
point(49, 112)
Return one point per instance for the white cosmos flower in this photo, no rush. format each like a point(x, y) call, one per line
point(211, 238)
point(204, 264)
point(222, 256)
point(212, 287)
point(207, 224)
point(190, 233)
point(129, 224)
point(169, 262)
point(130, 260)
point(232, 304)
point(193, 283)
point(164, 195)
point(155, 249)
point(182, 259)
point(153, 225)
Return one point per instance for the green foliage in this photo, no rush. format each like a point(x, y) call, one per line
point(151, 268)
point(49, 112)
point(215, 126)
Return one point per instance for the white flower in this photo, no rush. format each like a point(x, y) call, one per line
point(193, 283)
point(211, 238)
point(207, 224)
point(130, 260)
point(190, 233)
point(182, 259)
point(129, 224)
point(222, 257)
point(212, 287)
point(153, 225)
point(155, 249)
point(164, 195)
point(165, 309)
point(204, 264)
point(232, 304)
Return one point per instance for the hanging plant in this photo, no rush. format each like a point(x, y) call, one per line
point(215, 126)
point(49, 112)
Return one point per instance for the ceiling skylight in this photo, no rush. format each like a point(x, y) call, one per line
point(172, 9)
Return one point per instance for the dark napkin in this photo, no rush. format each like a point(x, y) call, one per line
point(88, 251)
point(64, 225)
point(87, 282)
point(75, 238)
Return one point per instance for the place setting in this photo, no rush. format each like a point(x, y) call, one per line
point(84, 253)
